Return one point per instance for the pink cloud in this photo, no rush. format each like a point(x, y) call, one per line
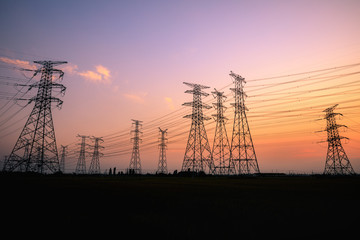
point(91, 76)
point(18, 62)
point(101, 75)
point(69, 68)
point(169, 102)
point(103, 71)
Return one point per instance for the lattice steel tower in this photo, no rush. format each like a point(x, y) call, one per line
point(197, 156)
point(62, 159)
point(95, 161)
point(81, 164)
point(242, 148)
point(135, 163)
point(162, 165)
point(221, 147)
point(35, 149)
point(337, 162)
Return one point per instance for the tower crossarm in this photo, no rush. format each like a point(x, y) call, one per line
point(218, 117)
point(197, 92)
point(61, 86)
point(331, 115)
point(335, 126)
point(201, 117)
point(195, 85)
point(239, 91)
point(54, 63)
point(334, 138)
point(218, 105)
point(330, 109)
point(237, 77)
point(197, 104)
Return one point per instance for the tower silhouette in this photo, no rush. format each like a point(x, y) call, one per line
point(162, 165)
point(95, 161)
point(337, 162)
point(26, 155)
point(242, 151)
point(135, 163)
point(36, 150)
point(62, 159)
point(221, 147)
point(81, 164)
point(197, 156)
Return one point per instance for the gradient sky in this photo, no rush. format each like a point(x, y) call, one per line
point(128, 60)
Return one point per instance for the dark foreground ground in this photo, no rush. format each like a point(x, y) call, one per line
point(180, 207)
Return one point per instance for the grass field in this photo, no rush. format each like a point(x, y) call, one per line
point(183, 207)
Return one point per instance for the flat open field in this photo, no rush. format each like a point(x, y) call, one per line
point(181, 207)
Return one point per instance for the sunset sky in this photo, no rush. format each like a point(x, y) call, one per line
point(129, 59)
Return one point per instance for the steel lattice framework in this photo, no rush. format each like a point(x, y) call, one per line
point(242, 151)
point(36, 149)
point(95, 161)
point(221, 147)
point(135, 162)
point(162, 165)
point(62, 159)
point(198, 157)
point(81, 164)
point(337, 162)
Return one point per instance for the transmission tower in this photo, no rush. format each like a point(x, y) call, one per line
point(162, 165)
point(221, 147)
point(35, 149)
point(197, 156)
point(242, 148)
point(135, 163)
point(62, 159)
point(337, 162)
point(25, 156)
point(81, 164)
point(95, 161)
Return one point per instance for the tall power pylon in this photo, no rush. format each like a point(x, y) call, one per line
point(95, 161)
point(221, 147)
point(162, 165)
point(337, 162)
point(135, 163)
point(242, 148)
point(81, 164)
point(197, 156)
point(35, 149)
point(62, 159)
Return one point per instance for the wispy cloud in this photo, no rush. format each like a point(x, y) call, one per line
point(137, 98)
point(18, 63)
point(169, 102)
point(91, 76)
point(100, 75)
point(69, 68)
point(103, 71)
